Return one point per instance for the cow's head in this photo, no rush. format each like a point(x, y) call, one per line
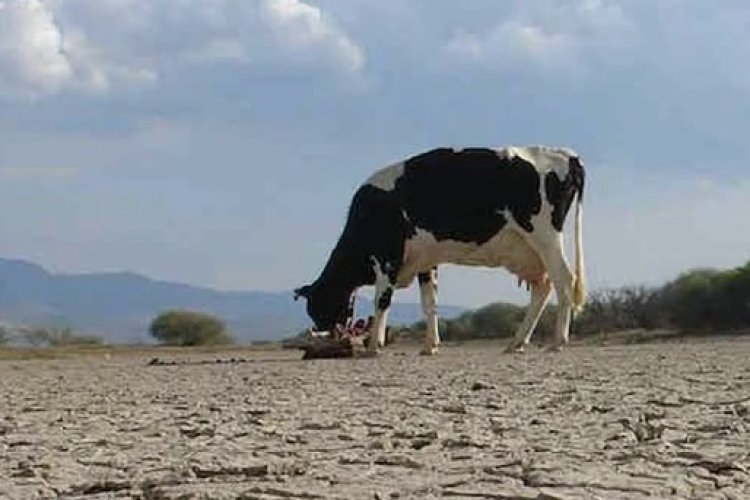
point(326, 306)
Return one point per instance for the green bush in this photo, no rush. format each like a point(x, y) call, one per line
point(706, 298)
point(496, 320)
point(688, 299)
point(189, 328)
point(51, 336)
point(491, 321)
point(5, 336)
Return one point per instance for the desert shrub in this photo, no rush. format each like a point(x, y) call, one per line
point(456, 328)
point(449, 329)
point(697, 300)
point(51, 336)
point(5, 335)
point(623, 308)
point(496, 320)
point(189, 328)
point(491, 321)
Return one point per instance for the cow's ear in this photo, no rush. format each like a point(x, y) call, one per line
point(303, 291)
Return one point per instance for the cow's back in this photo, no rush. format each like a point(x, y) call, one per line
point(468, 194)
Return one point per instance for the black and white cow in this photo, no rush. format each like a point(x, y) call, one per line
point(474, 206)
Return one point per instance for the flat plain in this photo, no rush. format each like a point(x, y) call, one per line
point(664, 420)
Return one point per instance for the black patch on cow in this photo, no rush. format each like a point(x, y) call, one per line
point(376, 228)
point(560, 193)
point(555, 191)
point(428, 277)
point(578, 175)
point(384, 302)
point(461, 195)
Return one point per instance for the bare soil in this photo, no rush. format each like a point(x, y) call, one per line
point(666, 420)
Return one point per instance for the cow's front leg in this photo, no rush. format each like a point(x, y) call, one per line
point(384, 287)
point(428, 296)
point(382, 304)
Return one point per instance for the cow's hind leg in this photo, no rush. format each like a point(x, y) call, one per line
point(540, 294)
point(562, 278)
point(428, 296)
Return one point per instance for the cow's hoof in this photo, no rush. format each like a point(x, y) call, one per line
point(515, 349)
point(555, 348)
point(428, 351)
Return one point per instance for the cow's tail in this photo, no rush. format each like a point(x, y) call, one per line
point(579, 285)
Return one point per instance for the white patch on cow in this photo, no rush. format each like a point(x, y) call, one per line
point(543, 158)
point(507, 248)
point(386, 178)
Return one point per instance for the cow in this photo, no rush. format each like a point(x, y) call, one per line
point(489, 207)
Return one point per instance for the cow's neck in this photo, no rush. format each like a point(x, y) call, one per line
point(344, 272)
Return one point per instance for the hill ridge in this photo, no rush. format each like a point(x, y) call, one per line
point(119, 305)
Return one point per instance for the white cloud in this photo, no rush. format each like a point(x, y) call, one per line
point(303, 30)
point(219, 49)
point(512, 42)
point(38, 55)
point(96, 45)
point(543, 35)
point(31, 46)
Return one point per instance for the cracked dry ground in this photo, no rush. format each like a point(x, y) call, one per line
point(657, 421)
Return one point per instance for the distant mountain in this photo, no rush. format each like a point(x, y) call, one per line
point(120, 306)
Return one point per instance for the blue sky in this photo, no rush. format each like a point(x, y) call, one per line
point(218, 142)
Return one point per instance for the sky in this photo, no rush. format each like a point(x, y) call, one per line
point(218, 142)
